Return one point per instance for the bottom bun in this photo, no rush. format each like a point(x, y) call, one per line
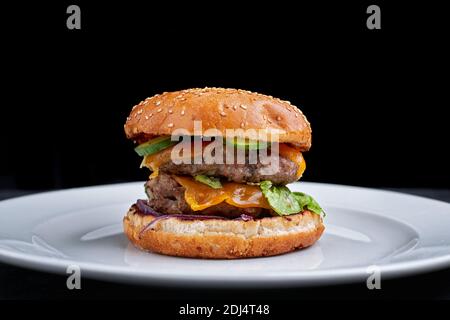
point(223, 239)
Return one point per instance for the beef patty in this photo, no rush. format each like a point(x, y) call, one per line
point(166, 196)
point(240, 173)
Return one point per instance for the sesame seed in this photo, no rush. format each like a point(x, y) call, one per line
point(157, 103)
point(234, 107)
point(296, 115)
point(128, 118)
point(268, 120)
point(170, 125)
point(179, 96)
point(278, 118)
point(242, 125)
point(159, 110)
point(182, 112)
point(170, 111)
point(146, 117)
point(140, 111)
point(151, 114)
point(243, 107)
point(223, 114)
point(264, 117)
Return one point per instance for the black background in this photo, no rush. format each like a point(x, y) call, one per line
point(376, 98)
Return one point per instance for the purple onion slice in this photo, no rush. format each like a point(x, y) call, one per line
point(145, 209)
point(244, 217)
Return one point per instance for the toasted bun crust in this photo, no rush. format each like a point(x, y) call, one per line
point(219, 109)
point(226, 239)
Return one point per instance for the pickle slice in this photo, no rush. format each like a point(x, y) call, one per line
point(155, 145)
point(248, 144)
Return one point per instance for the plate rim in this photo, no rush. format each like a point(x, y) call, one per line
point(290, 279)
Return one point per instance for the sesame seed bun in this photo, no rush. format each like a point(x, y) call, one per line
point(223, 239)
point(219, 109)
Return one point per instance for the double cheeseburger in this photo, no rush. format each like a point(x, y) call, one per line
point(221, 210)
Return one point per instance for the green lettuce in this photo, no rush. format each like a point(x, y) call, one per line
point(210, 181)
point(285, 202)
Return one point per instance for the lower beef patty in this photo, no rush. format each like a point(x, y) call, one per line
point(166, 196)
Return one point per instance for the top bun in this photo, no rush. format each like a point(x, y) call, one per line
point(220, 109)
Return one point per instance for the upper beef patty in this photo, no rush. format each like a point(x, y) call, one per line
point(240, 173)
point(166, 195)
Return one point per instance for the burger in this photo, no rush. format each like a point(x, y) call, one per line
point(236, 206)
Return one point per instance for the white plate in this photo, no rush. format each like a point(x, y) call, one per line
point(401, 234)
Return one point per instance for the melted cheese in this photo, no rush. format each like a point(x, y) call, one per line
point(295, 156)
point(200, 196)
point(154, 161)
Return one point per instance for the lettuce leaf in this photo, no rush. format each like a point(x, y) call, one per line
point(209, 181)
point(280, 198)
point(306, 201)
point(285, 202)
